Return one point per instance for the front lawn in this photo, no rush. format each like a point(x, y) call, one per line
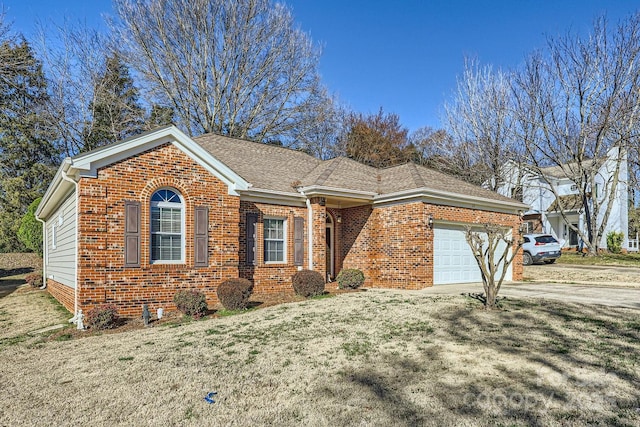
point(370, 358)
point(629, 259)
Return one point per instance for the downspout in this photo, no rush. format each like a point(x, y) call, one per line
point(309, 231)
point(75, 255)
point(45, 248)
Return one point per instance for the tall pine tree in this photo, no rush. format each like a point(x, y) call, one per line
point(27, 141)
point(115, 109)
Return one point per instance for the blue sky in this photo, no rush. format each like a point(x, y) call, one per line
point(402, 55)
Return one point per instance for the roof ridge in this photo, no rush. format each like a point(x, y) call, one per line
point(415, 174)
point(257, 144)
point(328, 171)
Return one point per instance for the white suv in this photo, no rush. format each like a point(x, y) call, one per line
point(540, 247)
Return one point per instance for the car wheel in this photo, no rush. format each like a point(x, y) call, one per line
point(526, 259)
point(549, 261)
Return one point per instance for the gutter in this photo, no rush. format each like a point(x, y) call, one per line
point(309, 230)
point(45, 248)
point(448, 196)
point(65, 177)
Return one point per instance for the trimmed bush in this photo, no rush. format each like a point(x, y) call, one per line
point(234, 294)
point(614, 242)
point(191, 302)
point(34, 279)
point(350, 278)
point(102, 317)
point(308, 283)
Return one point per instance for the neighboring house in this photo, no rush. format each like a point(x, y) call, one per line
point(534, 188)
point(133, 222)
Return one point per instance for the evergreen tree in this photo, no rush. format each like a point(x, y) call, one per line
point(159, 116)
point(115, 109)
point(30, 231)
point(27, 141)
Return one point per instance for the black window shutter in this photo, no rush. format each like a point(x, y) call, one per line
point(252, 220)
point(298, 241)
point(131, 234)
point(201, 240)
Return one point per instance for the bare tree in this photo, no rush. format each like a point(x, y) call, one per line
point(494, 250)
point(438, 150)
point(323, 129)
point(74, 58)
point(10, 62)
point(579, 108)
point(480, 121)
point(235, 67)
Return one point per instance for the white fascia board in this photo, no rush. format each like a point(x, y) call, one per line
point(450, 199)
point(318, 190)
point(271, 197)
point(56, 192)
point(88, 164)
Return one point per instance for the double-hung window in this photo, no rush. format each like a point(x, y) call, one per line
point(274, 240)
point(167, 226)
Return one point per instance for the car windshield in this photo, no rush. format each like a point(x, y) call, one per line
point(546, 239)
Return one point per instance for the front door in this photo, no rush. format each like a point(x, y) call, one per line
point(573, 236)
point(329, 239)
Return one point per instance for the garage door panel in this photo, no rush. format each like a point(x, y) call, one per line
point(453, 259)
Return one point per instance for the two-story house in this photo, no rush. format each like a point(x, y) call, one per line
point(557, 204)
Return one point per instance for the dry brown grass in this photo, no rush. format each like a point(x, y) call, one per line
point(371, 358)
point(600, 275)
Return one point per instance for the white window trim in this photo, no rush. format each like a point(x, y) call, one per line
point(54, 226)
point(284, 236)
point(182, 227)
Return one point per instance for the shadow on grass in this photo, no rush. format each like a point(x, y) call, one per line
point(8, 272)
point(573, 347)
point(531, 363)
point(8, 285)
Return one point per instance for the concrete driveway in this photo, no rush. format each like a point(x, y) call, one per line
point(579, 293)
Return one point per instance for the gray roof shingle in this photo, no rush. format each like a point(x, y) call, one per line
point(276, 168)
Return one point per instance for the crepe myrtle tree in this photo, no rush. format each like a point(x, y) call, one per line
point(494, 250)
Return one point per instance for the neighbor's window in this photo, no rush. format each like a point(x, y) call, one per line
point(167, 226)
point(274, 240)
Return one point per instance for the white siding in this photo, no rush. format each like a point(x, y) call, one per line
point(60, 262)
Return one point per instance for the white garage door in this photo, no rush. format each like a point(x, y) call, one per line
point(453, 260)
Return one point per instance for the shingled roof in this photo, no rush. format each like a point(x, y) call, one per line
point(274, 168)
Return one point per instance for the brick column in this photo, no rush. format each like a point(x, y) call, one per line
point(319, 229)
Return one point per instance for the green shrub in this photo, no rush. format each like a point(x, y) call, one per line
point(350, 278)
point(614, 242)
point(102, 317)
point(191, 302)
point(234, 294)
point(308, 283)
point(30, 231)
point(34, 279)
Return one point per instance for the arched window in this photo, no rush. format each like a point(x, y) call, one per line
point(167, 226)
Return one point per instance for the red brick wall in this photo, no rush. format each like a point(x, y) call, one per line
point(269, 278)
point(102, 277)
point(63, 293)
point(393, 245)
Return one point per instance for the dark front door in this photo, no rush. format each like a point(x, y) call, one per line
point(573, 236)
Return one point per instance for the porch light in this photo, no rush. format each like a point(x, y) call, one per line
point(430, 221)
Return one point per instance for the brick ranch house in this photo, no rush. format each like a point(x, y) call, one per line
point(133, 222)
